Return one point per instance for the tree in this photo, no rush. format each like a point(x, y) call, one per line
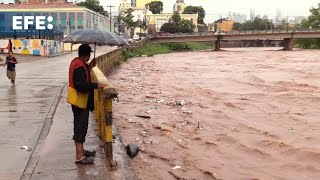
point(196, 10)
point(177, 25)
point(176, 19)
point(128, 19)
point(156, 7)
point(237, 26)
point(186, 26)
point(169, 28)
point(93, 5)
point(311, 22)
point(256, 24)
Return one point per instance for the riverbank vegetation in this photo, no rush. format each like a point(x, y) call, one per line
point(311, 22)
point(151, 49)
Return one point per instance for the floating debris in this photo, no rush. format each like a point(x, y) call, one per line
point(180, 103)
point(132, 150)
point(176, 167)
point(161, 101)
point(26, 148)
point(143, 116)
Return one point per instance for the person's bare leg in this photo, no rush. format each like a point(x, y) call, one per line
point(79, 151)
point(82, 150)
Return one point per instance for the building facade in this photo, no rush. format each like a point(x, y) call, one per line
point(155, 21)
point(224, 25)
point(124, 6)
point(179, 6)
point(140, 3)
point(67, 18)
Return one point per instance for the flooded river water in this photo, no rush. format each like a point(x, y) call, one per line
point(250, 113)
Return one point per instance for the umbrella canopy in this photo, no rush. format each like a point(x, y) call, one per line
point(95, 36)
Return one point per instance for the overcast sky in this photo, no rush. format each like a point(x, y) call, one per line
point(215, 8)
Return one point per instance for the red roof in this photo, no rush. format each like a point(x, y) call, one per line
point(36, 6)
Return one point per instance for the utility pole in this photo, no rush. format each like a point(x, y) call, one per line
point(110, 17)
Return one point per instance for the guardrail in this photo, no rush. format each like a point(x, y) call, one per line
point(235, 32)
point(103, 99)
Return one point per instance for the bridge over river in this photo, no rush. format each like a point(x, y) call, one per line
point(287, 36)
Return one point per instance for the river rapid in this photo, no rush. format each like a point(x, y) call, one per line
point(242, 113)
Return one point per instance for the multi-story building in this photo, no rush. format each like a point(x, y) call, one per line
point(179, 6)
point(239, 18)
point(140, 3)
point(124, 6)
point(225, 25)
point(66, 17)
point(155, 21)
point(252, 14)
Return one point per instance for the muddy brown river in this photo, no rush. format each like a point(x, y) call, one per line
point(250, 113)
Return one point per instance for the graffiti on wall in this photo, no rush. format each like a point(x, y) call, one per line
point(37, 47)
point(5, 46)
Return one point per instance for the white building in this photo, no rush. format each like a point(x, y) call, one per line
point(179, 6)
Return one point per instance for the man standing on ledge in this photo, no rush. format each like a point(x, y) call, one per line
point(80, 96)
point(11, 62)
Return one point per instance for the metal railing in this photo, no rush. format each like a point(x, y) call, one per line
point(103, 98)
point(234, 32)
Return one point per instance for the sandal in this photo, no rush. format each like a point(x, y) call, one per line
point(85, 160)
point(89, 153)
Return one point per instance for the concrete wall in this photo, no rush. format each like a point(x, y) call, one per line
point(5, 46)
point(36, 47)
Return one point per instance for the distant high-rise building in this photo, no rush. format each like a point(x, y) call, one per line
point(278, 13)
point(252, 14)
point(239, 18)
point(278, 18)
point(230, 15)
point(298, 19)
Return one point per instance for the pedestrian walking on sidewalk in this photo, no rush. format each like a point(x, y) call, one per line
point(11, 62)
point(80, 96)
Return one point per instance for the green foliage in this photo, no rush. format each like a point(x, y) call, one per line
point(177, 25)
point(93, 5)
point(256, 24)
point(176, 19)
point(313, 22)
point(169, 28)
point(237, 26)
point(126, 54)
point(128, 19)
point(156, 7)
point(186, 26)
point(163, 48)
point(194, 10)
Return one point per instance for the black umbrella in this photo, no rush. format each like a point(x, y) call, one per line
point(96, 37)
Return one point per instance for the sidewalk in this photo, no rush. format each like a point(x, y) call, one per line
point(54, 156)
point(28, 118)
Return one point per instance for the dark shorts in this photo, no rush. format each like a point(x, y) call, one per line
point(80, 124)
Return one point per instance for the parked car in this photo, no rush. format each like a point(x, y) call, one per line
point(219, 33)
point(136, 38)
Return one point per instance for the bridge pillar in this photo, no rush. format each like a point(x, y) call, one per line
point(217, 45)
point(288, 44)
